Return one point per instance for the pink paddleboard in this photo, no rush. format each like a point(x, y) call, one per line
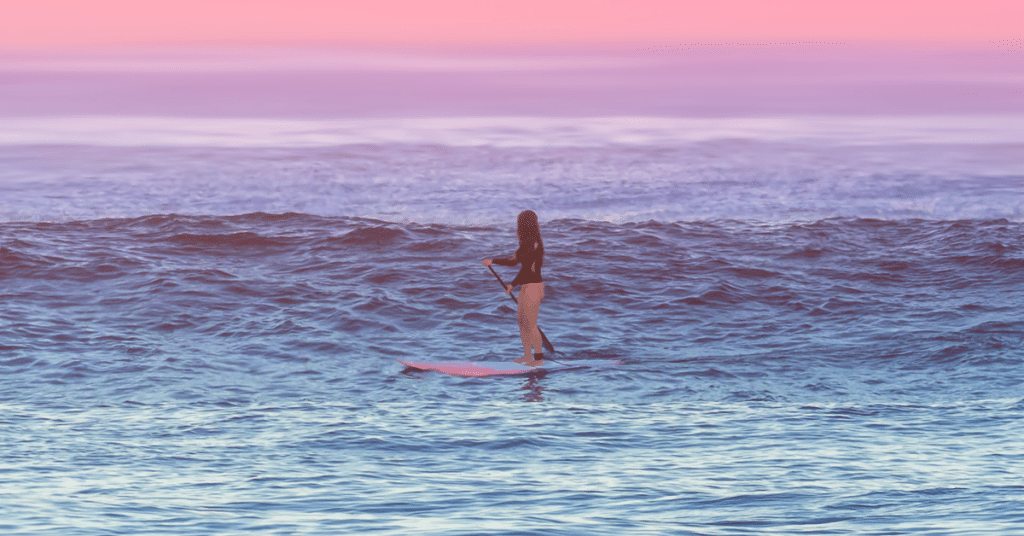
point(495, 368)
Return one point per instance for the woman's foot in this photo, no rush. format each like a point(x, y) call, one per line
point(524, 359)
point(536, 361)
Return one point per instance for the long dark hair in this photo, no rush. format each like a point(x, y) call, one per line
point(528, 230)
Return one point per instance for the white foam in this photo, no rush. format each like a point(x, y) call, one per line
point(506, 131)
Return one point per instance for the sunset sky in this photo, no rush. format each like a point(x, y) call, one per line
point(59, 24)
point(321, 58)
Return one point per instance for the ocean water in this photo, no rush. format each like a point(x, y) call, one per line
point(819, 321)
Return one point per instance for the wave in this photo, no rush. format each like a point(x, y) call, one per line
point(497, 131)
point(766, 181)
point(737, 297)
point(879, 247)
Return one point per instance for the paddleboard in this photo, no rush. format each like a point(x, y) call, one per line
point(501, 368)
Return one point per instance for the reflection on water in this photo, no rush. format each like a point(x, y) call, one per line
point(533, 388)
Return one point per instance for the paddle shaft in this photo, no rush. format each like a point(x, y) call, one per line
point(547, 344)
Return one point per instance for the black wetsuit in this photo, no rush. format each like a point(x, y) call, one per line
point(531, 257)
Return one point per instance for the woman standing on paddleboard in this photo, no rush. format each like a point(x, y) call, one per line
point(531, 256)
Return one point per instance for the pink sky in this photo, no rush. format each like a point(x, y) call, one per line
point(50, 24)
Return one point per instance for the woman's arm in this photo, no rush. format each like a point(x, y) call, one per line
point(487, 262)
point(503, 261)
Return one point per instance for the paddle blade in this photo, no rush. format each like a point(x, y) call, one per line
point(547, 344)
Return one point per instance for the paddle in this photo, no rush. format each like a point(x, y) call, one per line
point(547, 343)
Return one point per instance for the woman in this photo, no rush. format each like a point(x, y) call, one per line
point(531, 256)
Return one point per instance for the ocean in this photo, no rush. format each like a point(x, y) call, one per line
point(818, 317)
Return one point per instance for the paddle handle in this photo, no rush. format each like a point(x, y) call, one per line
point(547, 344)
point(491, 268)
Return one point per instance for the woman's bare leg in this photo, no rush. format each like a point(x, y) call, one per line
point(529, 308)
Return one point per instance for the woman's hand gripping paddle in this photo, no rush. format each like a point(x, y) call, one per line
point(547, 343)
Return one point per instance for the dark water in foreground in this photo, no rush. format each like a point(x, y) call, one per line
point(236, 375)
